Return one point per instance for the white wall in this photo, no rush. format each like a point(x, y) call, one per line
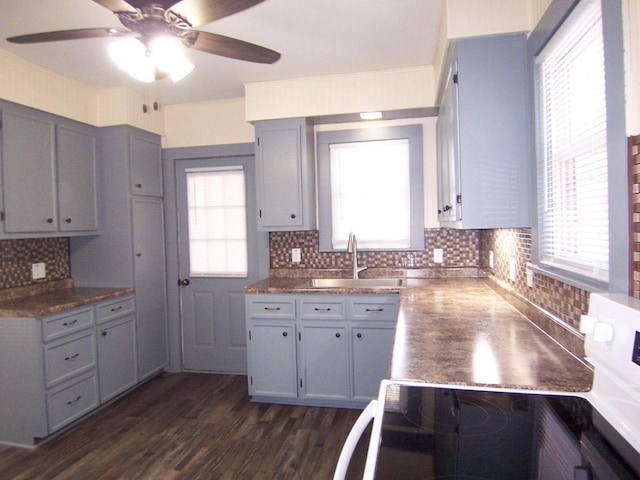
point(207, 123)
point(31, 85)
point(337, 94)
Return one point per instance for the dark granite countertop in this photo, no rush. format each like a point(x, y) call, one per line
point(460, 331)
point(57, 300)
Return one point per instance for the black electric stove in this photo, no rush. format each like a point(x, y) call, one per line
point(444, 433)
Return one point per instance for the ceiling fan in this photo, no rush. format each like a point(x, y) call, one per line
point(147, 20)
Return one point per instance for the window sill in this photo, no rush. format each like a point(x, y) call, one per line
point(592, 286)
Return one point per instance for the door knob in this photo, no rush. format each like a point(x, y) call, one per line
point(183, 282)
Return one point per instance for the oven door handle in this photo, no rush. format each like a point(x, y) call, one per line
point(352, 440)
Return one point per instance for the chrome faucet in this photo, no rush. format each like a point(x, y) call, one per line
point(352, 247)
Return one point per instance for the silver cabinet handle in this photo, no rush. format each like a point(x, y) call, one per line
point(71, 358)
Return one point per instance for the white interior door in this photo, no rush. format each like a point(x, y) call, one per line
point(218, 243)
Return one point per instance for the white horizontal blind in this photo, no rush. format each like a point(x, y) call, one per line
point(572, 173)
point(217, 222)
point(370, 193)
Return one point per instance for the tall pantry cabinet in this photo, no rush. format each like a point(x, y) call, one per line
point(130, 252)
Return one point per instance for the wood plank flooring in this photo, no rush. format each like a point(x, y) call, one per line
point(193, 426)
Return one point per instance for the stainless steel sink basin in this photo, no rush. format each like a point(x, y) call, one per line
point(356, 282)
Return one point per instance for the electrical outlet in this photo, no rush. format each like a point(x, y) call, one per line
point(491, 259)
point(438, 255)
point(512, 269)
point(38, 271)
point(529, 275)
point(295, 255)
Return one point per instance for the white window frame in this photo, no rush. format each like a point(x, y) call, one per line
point(230, 236)
point(327, 207)
point(617, 172)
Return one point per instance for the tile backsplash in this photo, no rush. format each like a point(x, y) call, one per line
point(564, 301)
point(16, 257)
point(461, 248)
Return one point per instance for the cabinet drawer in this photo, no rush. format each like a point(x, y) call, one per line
point(71, 401)
point(55, 326)
point(276, 308)
point(373, 310)
point(111, 309)
point(63, 360)
point(322, 309)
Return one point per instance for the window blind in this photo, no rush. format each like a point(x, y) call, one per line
point(370, 193)
point(572, 168)
point(217, 222)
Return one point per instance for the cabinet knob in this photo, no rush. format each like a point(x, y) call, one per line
point(284, 334)
point(68, 220)
point(138, 185)
point(49, 220)
point(138, 254)
point(447, 208)
point(103, 333)
point(359, 335)
point(183, 282)
point(338, 335)
point(293, 215)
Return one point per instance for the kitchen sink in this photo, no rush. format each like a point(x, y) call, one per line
point(356, 282)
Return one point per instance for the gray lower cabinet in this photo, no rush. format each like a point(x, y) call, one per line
point(59, 367)
point(273, 354)
point(116, 339)
point(319, 349)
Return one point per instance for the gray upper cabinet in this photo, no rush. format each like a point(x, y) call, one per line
point(285, 175)
point(28, 169)
point(48, 175)
point(76, 175)
point(146, 165)
point(483, 135)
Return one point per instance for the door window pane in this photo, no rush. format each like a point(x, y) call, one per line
point(217, 222)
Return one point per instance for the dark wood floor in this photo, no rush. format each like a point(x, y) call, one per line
point(193, 426)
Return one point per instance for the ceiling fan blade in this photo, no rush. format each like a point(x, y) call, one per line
point(232, 48)
point(69, 35)
point(117, 5)
point(201, 12)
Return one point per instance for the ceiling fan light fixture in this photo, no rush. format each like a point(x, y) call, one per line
point(131, 56)
point(164, 54)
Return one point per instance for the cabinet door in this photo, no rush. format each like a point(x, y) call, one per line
point(146, 165)
point(449, 209)
point(371, 350)
point(324, 362)
point(76, 179)
point(285, 175)
point(116, 357)
point(28, 173)
point(272, 360)
point(149, 282)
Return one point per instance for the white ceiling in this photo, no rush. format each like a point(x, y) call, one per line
point(315, 38)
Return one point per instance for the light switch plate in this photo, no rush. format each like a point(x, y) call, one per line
point(491, 259)
point(38, 271)
point(438, 255)
point(295, 255)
